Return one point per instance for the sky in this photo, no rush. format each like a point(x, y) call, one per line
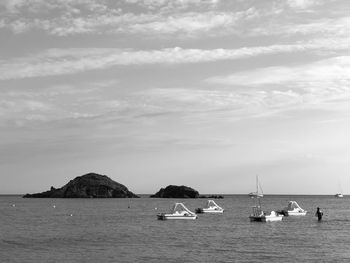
point(203, 93)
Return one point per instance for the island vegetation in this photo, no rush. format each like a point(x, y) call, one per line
point(175, 191)
point(90, 185)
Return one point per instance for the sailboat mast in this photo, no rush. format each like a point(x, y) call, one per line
point(258, 196)
point(257, 192)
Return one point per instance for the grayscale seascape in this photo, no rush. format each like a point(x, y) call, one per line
point(105, 101)
point(106, 230)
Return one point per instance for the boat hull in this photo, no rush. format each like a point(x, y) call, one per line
point(255, 195)
point(291, 213)
point(212, 211)
point(272, 217)
point(265, 218)
point(209, 211)
point(256, 219)
point(179, 217)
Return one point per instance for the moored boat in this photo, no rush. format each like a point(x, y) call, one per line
point(211, 207)
point(179, 211)
point(256, 194)
point(340, 191)
point(293, 209)
point(258, 215)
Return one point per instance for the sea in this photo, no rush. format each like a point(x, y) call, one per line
point(127, 230)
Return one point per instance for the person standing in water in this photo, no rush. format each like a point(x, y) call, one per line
point(319, 214)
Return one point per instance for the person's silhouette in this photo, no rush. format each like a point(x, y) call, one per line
point(319, 214)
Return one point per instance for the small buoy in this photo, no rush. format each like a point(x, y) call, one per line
point(71, 214)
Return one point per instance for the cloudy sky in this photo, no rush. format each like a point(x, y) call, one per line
point(206, 93)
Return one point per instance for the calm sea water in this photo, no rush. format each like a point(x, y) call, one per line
point(106, 230)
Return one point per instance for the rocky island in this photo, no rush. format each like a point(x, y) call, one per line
point(175, 191)
point(90, 185)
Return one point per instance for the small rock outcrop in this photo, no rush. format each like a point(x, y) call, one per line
point(90, 185)
point(212, 196)
point(175, 191)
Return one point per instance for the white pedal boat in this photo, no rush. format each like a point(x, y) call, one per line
point(179, 211)
point(211, 207)
point(293, 209)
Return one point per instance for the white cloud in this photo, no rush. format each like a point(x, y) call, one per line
point(174, 4)
point(148, 24)
point(16, 107)
point(179, 18)
point(69, 61)
point(46, 6)
point(302, 4)
point(20, 26)
point(323, 81)
point(325, 27)
point(64, 18)
point(55, 102)
point(185, 23)
point(330, 70)
point(195, 106)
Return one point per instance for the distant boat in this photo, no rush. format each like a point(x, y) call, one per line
point(256, 194)
point(293, 209)
point(211, 207)
point(339, 194)
point(179, 211)
point(258, 215)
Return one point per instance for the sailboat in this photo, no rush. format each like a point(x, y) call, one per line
point(258, 215)
point(256, 194)
point(339, 194)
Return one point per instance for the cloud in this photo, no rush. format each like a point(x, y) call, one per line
point(24, 109)
point(165, 5)
point(178, 18)
point(65, 103)
point(302, 4)
point(318, 82)
point(77, 6)
point(188, 23)
point(329, 70)
point(57, 102)
point(325, 27)
point(69, 61)
point(40, 7)
point(63, 18)
point(229, 104)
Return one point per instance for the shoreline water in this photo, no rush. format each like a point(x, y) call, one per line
point(109, 230)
